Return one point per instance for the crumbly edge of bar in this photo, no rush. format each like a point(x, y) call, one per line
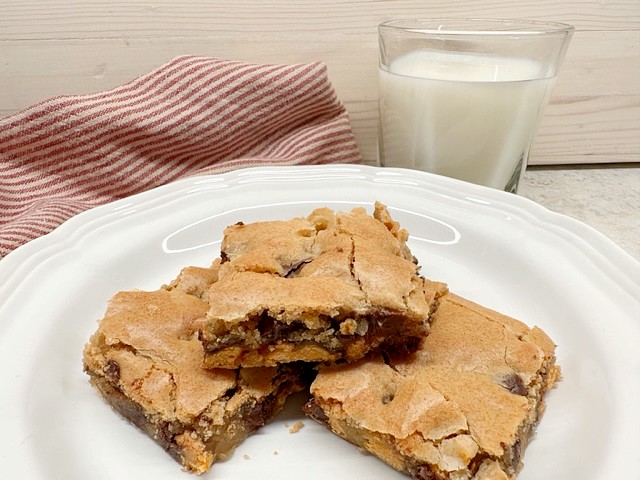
point(198, 444)
point(536, 391)
point(264, 341)
point(384, 446)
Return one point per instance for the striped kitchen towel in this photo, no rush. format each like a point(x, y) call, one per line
point(192, 116)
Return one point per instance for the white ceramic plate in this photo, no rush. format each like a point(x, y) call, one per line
point(498, 249)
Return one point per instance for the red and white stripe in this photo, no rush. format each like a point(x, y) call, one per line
point(194, 115)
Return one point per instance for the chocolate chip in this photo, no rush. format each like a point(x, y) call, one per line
point(164, 436)
point(271, 330)
point(112, 371)
point(515, 455)
point(224, 257)
point(421, 472)
point(253, 416)
point(514, 384)
point(312, 409)
point(230, 393)
point(256, 415)
point(388, 398)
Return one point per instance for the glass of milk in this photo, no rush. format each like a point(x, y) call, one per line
point(462, 97)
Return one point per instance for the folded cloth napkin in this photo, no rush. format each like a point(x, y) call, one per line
point(192, 116)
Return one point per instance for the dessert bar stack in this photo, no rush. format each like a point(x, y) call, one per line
point(432, 384)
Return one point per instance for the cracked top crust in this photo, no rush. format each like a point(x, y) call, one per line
point(325, 264)
point(162, 371)
point(472, 388)
point(473, 338)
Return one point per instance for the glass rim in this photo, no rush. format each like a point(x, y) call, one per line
point(476, 26)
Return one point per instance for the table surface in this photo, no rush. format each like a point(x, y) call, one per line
point(607, 199)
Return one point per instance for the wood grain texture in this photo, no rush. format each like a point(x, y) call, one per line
point(54, 47)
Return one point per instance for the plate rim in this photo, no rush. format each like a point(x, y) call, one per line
point(627, 268)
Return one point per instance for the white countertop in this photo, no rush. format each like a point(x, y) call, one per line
point(607, 199)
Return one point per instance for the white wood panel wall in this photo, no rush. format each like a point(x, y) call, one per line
point(53, 47)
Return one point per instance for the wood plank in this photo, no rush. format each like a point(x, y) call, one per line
point(594, 126)
point(67, 19)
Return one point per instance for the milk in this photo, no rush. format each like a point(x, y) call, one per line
point(466, 116)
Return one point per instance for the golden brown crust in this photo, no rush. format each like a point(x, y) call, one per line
point(465, 403)
point(196, 281)
point(504, 346)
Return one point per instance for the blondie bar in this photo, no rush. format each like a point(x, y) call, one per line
point(146, 361)
point(463, 407)
point(326, 288)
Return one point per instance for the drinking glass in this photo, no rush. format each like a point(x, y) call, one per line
point(464, 97)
